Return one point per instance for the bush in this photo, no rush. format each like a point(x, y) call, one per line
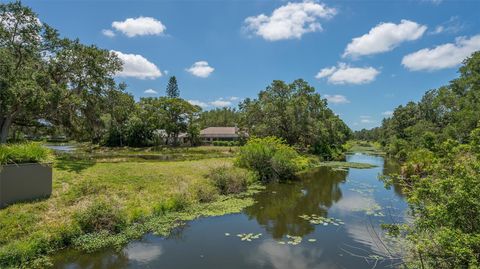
point(270, 158)
point(24, 153)
point(226, 143)
point(205, 192)
point(101, 216)
point(229, 180)
point(177, 202)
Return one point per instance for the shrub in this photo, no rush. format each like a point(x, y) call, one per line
point(101, 216)
point(226, 143)
point(205, 192)
point(270, 157)
point(229, 180)
point(176, 203)
point(24, 153)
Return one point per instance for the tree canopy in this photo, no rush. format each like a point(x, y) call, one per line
point(172, 88)
point(297, 114)
point(45, 77)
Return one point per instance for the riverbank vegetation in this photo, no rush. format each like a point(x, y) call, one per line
point(438, 141)
point(96, 205)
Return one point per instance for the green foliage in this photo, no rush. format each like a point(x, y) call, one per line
point(229, 180)
point(438, 141)
point(170, 117)
point(298, 115)
point(220, 117)
point(205, 192)
point(67, 89)
point(99, 216)
point(443, 195)
point(153, 121)
point(226, 143)
point(172, 88)
point(447, 113)
point(270, 157)
point(24, 153)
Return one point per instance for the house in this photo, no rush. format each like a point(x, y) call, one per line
point(211, 134)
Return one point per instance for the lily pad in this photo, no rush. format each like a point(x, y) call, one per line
point(249, 237)
point(316, 220)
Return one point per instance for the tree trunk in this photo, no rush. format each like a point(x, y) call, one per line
point(5, 124)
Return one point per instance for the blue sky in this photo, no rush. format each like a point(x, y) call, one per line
point(367, 57)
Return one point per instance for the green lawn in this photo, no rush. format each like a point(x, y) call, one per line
point(145, 196)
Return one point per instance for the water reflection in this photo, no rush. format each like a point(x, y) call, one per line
point(61, 148)
point(278, 209)
point(104, 260)
point(143, 252)
point(271, 255)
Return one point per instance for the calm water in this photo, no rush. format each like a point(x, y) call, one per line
point(355, 199)
point(62, 148)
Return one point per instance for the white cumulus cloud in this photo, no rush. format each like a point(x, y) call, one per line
point(442, 56)
point(336, 99)
point(220, 103)
point(345, 74)
point(198, 103)
point(137, 66)
point(108, 33)
point(384, 37)
point(139, 26)
point(200, 69)
point(150, 91)
point(290, 21)
point(366, 119)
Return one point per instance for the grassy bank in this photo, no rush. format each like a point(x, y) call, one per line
point(122, 154)
point(366, 147)
point(103, 204)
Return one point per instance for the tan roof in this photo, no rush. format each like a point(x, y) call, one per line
point(220, 131)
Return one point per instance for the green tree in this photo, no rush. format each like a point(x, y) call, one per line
point(22, 42)
point(220, 117)
point(298, 115)
point(438, 140)
point(172, 88)
point(45, 77)
point(170, 115)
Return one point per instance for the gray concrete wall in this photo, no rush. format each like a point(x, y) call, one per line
point(24, 182)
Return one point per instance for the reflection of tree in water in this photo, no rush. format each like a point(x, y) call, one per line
point(279, 207)
point(391, 167)
point(103, 260)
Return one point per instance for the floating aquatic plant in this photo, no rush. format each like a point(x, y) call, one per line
point(317, 220)
point(249, 237)
point(374, 210)
point(363, 189)
point(294, 240)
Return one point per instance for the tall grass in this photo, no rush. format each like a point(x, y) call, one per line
point(24, 153)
